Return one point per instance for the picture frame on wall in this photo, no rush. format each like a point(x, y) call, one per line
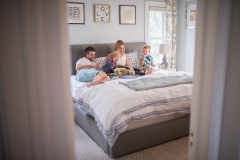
point(190, 14)
point(102, 13)
point(75, 13)
point(127, 14)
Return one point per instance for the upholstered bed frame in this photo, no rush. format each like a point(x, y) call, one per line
point(132, 140)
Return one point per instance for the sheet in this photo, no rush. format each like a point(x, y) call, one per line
point(113, 105)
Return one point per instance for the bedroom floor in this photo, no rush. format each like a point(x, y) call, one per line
point(87, 149)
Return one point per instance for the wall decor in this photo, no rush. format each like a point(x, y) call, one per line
point(127, 14)
point(102, 13)
point(190, 14)
point(75, 13)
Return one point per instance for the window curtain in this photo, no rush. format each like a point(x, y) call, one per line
point(171, 30)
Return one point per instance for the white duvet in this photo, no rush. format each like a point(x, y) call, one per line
point(114, 105)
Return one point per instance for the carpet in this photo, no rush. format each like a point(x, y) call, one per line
point(87, 149)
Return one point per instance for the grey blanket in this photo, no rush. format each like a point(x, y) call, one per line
point(153, 82)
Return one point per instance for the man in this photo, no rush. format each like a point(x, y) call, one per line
point(86, 69)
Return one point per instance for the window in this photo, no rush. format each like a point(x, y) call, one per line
point(155, 27)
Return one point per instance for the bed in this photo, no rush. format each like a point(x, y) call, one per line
point(130, 134)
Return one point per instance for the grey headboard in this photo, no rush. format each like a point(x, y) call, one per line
point(102, 50)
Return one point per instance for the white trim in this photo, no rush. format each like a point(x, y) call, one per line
point(214, 126)
point(155, 8)
point(147, 5)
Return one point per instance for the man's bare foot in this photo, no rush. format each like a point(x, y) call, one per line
point(93, 83)
point(149, 72)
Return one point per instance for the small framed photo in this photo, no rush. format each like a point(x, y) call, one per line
point(190, 14)
point(127, 14)
point(75, 13)
point(102, 13)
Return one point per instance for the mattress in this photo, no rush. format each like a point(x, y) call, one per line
point(115, 124)
point(147, 122)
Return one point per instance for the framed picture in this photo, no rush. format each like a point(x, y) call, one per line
point(190, 14)
point(127, 14)
point(75, 13)
point(102, 13)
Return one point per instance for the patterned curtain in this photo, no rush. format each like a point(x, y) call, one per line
point(171, 30)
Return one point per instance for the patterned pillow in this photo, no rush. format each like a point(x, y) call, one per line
point(132, 57)
point(101, 60)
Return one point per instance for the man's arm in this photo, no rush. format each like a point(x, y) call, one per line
point(95, 65)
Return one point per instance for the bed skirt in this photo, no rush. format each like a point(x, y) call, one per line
point(136, 139)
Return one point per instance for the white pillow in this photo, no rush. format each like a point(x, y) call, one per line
point(101, 60)
point(132, 57)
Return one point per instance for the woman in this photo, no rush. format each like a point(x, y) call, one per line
point(123, 60)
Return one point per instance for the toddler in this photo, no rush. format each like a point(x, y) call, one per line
point(111, 63)
point(146, 61)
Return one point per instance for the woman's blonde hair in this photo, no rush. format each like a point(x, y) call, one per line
point(118, 43)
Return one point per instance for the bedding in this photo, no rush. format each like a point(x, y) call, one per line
point(77, 87)
point(117, 105)
point(157, 82)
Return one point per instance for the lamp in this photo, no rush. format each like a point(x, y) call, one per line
point(165, 49)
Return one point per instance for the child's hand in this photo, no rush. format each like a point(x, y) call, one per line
point(154, 65)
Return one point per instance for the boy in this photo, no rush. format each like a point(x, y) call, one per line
point(146, 61)
point(111, 63)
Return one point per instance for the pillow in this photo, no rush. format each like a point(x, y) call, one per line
point(132, 57)
point(101, 60)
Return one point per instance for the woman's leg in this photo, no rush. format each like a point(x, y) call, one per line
point(101, 76)
point(93, 83)
point(107, 78)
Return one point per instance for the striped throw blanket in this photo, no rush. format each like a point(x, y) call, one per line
point(157, 82)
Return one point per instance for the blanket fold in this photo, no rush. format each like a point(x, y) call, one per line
point(157, 82)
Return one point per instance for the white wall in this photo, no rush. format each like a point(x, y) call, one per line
point(185, 40)
point(92, 32)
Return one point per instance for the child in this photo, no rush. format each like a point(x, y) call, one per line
point(111, 63)
point(146, 61)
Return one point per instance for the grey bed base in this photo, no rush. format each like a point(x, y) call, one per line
point(133, 140)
